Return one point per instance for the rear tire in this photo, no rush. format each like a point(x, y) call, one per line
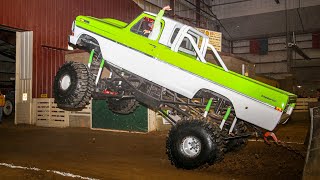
point(8, 108)
point(122, 106)
point(73, 86)
point(192, 144)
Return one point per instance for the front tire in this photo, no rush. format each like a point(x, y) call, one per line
point(192, 144)
point(73, 86)
point(240, 143)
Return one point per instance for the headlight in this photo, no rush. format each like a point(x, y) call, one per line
point(73, 26)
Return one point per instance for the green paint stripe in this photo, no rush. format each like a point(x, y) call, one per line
point(102, 63)
point(225, 117)
point(209, 105)
point(91, 56)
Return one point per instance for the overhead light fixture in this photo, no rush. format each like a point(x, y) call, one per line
point(299, 86)
point(277, 1)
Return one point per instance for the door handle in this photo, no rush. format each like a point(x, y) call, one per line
point(154, 46)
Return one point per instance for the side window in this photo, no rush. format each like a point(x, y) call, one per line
point(186, 46)
point(143, 27)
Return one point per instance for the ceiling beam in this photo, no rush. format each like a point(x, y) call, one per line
point(274, 35)
point(234, 2)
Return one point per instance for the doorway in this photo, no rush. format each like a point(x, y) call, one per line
point(8, 69)
point(16, 73)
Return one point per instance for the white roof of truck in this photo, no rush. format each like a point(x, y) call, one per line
point(167, 32)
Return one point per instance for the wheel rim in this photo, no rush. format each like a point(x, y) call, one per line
point(65, 82)
point(8, 107)
point(190, 146)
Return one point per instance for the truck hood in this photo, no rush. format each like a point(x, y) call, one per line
point(107, 27)
point(96, 22)
point(115, 22)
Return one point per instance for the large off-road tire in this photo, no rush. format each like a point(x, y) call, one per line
point(8, 107)
point(193, 143)
point(73, 86)
point(122, 106)
point(240, 143)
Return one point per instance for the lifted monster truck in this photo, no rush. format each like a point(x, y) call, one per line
point(215, 106)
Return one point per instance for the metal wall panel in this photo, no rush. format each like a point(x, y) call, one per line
point(50, 21)
point(26, 54)
point(51, 60)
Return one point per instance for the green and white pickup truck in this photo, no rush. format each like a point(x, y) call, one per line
point(211, 108)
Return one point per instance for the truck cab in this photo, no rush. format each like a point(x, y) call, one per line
point(178, 37)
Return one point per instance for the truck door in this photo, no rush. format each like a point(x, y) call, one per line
point(140, 32)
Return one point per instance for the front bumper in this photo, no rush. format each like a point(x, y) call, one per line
point(72, 40)
point(285, 116)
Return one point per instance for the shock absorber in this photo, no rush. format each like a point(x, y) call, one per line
point(100, 71)
point(225, 117)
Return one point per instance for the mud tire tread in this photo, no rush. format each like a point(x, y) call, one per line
point(207, 132)
point(79, 92)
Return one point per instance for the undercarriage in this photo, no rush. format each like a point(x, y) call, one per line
point(205, 105)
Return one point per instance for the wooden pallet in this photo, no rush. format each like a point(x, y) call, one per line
point(47, 114)
point(302, 104)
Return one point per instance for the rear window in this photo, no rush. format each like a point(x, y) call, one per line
point(174, 35)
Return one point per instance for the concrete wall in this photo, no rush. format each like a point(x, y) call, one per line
point(276, 59)
point(235, 64)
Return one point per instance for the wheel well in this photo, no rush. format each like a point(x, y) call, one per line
point(206, 93)
point(88, 42)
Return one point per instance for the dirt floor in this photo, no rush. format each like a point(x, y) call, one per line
point(111, 155)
